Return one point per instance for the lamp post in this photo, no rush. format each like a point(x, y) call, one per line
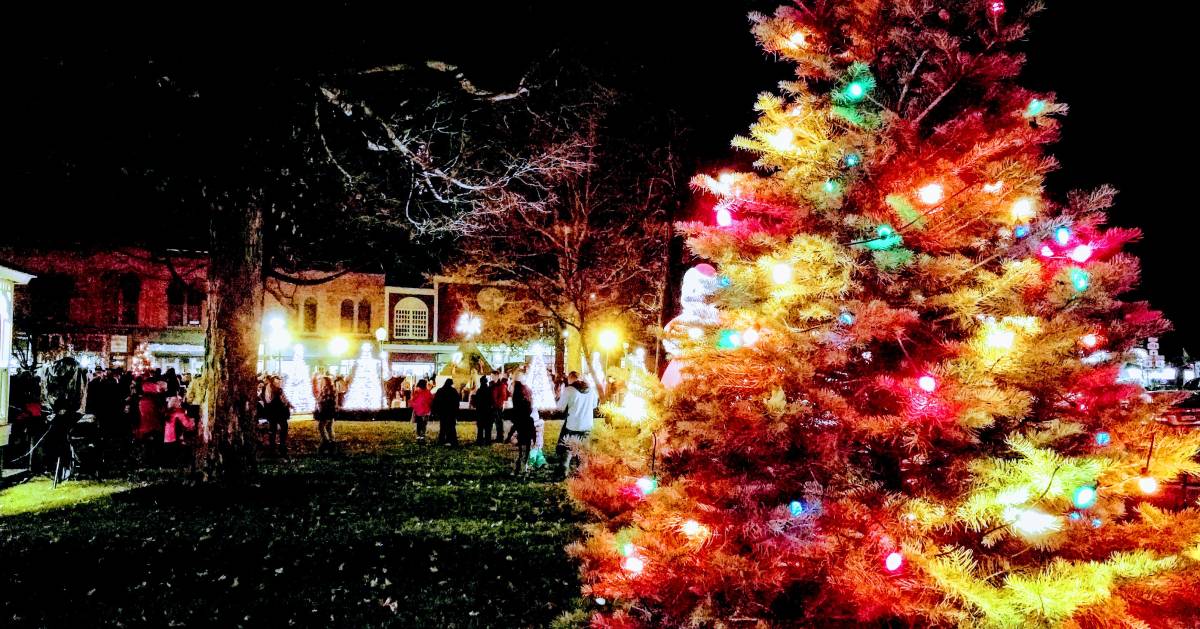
point(468, 325)
point(380, 337)
point(609, 339)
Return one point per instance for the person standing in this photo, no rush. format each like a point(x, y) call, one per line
point(422, 407)
point(521, 415)
point(325, 411)
point(482, 401)
point(499, 399)
point(341, 386)
point(579, 401)
point(406, 389)
point(277, 410)
point(445, 408)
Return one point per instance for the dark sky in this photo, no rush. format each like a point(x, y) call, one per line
point(84, 87)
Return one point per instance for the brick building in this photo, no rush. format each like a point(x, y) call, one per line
point(423, 335)
point(123, 307)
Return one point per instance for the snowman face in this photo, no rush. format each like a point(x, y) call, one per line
point(697, 287)
point(698, 284)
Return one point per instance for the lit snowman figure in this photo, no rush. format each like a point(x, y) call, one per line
point(699, 282)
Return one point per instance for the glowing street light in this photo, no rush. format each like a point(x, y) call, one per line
point(609, 339)
point(381, 334)
point(468, 325)
point(339, 345)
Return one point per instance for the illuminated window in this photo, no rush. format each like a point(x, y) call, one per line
point(410, 319)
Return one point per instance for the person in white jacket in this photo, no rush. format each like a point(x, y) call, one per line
point(580, 402)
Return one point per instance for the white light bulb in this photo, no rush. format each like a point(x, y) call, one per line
point(930, 194)
point(1000, 339)
point(781, 273)
point(1023, 209)
point(1034, 522)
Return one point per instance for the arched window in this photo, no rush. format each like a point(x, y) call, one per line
point(310, 315)
point(364, 317)
point(410, 319)
point(131, 296)
point(347, 315)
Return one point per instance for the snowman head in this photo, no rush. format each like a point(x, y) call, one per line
point(699, 282)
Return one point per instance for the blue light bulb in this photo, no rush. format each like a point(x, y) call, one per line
point(846, 317)
point(1062, 235)
point(796, 508)
point(1103, 438)
point(1084, 497)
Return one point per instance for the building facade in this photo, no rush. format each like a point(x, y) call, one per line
point(430, 327)
point(130, 308)
point(9, 278)
point(125, 308)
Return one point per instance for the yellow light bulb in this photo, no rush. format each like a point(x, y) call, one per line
point(782, 139)
point(1023, 209)
point(1148, 485)
point(797, 40)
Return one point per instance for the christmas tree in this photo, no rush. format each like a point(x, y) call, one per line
point(539, 382)
point(365, 391)
point(908, 412)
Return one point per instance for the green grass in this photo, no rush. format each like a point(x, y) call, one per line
point(387, 534)
point(36, 495)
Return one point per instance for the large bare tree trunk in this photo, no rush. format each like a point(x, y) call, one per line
point(235, 300)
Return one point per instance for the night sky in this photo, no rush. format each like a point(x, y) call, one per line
point(83, 87)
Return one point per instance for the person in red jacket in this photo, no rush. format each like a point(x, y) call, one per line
point(499, 398)
point(422, 407)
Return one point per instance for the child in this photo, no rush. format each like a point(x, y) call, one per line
point(176, 428)
point(325, 411)
point(422, 407)
point(521, 415)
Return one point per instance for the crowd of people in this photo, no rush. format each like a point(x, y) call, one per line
point(498, 400)
point(153, 416)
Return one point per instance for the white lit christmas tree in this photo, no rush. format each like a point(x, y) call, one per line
point(297, 384)
point(539, 381)
point(366, 388)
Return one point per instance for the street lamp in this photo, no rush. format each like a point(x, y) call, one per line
point(338, 346)
point(468, 325)
point(609, 339)
point(380, 337)
point(278, 339)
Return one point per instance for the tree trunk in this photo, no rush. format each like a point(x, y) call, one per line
point(670, 288)
point(235, 296)
point(560, 352)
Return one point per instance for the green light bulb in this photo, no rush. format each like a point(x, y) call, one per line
point(1036, 107)
point(855, 91)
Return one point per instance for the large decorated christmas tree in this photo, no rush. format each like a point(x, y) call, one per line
point(908, 411)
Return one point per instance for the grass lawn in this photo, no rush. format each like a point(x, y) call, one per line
point(386, 534)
